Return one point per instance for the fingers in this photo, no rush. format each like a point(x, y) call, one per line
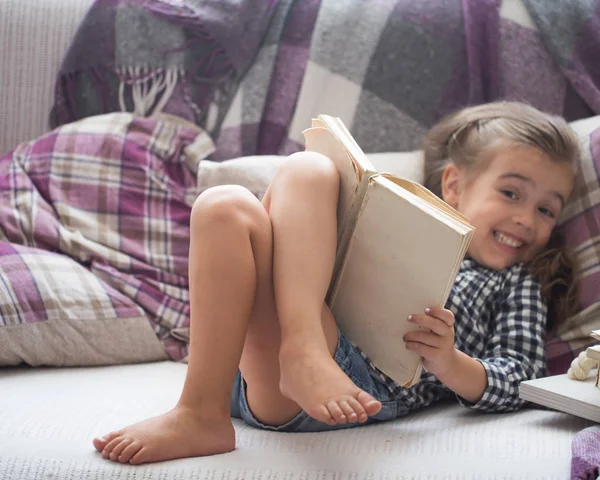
point(436, 330)
point(434, 339)
point(442, 314)
point(426, 338)
point(439, 320)
point(426, 351)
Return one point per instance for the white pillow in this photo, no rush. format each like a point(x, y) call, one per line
point(256, 172)
point(409, 165)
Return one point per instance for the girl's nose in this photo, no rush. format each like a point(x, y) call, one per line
point(525, 217)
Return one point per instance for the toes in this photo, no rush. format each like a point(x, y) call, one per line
point(352, 410)
point(110, 445)
point(359, 411)
point(140, 457)
point(324, 416)
point(131, 449)
point(369, 403)
point(100, 443)
point(125, 442)
point(336, 412)
point(348, 410)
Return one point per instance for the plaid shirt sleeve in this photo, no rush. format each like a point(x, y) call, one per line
point(515, 351)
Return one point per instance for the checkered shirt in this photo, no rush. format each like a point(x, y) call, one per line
point(500, 320)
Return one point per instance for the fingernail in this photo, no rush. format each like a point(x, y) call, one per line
point(409, 318)
point(427, 310)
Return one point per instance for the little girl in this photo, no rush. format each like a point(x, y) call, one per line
point(265, 347)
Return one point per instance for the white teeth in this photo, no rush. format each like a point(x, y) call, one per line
point(511, 242)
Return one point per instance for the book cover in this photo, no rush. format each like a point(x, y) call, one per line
point(399, 251)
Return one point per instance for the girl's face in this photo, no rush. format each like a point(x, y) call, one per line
point(513, 203)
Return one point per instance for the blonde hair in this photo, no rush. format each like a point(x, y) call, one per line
point(465, 137)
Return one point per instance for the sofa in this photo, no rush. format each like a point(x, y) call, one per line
point(94, 323)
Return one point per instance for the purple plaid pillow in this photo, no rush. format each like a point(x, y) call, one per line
point(55, 312)
point(581, 225)
point(95, 220)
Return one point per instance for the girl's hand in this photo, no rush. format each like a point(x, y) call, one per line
point(434, 340)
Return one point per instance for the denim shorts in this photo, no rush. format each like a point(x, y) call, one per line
point(352, 364)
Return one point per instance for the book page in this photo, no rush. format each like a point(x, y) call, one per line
point(399, 261)
point(340, 131)
point(321, 140)
point(427, 195)
point(354, 176)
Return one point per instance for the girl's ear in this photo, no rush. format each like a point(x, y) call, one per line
point(451, 183)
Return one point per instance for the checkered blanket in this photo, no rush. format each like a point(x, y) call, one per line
point(114, 194)
point(253, 72)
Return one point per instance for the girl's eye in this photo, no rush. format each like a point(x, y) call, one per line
point(510, 194)
point(547, 212)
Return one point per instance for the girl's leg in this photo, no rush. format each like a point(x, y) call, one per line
point(232, 280)
point(305, 192)
point(302, 205)
point(231, 242)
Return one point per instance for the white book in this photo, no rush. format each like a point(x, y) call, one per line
point(399, 251)
point(559, 392)
point(593, 352)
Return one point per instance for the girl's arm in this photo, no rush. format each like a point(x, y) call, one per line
point(515, 351)
point(465, 376)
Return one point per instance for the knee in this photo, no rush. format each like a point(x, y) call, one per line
point(312, 169)
point(228, 204)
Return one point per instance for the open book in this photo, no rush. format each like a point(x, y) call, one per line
point(399, 251)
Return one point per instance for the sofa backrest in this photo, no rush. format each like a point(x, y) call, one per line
point(34, 35)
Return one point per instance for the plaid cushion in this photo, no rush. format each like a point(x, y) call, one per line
point(581, 224)
point(101, 207)
point(38, 286)
point(55, 312)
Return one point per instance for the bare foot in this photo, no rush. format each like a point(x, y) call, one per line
point(315, 382)
point(176, 434)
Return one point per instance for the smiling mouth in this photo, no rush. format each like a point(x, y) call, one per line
point(507, 240)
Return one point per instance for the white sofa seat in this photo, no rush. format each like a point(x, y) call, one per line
point(49, 417)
